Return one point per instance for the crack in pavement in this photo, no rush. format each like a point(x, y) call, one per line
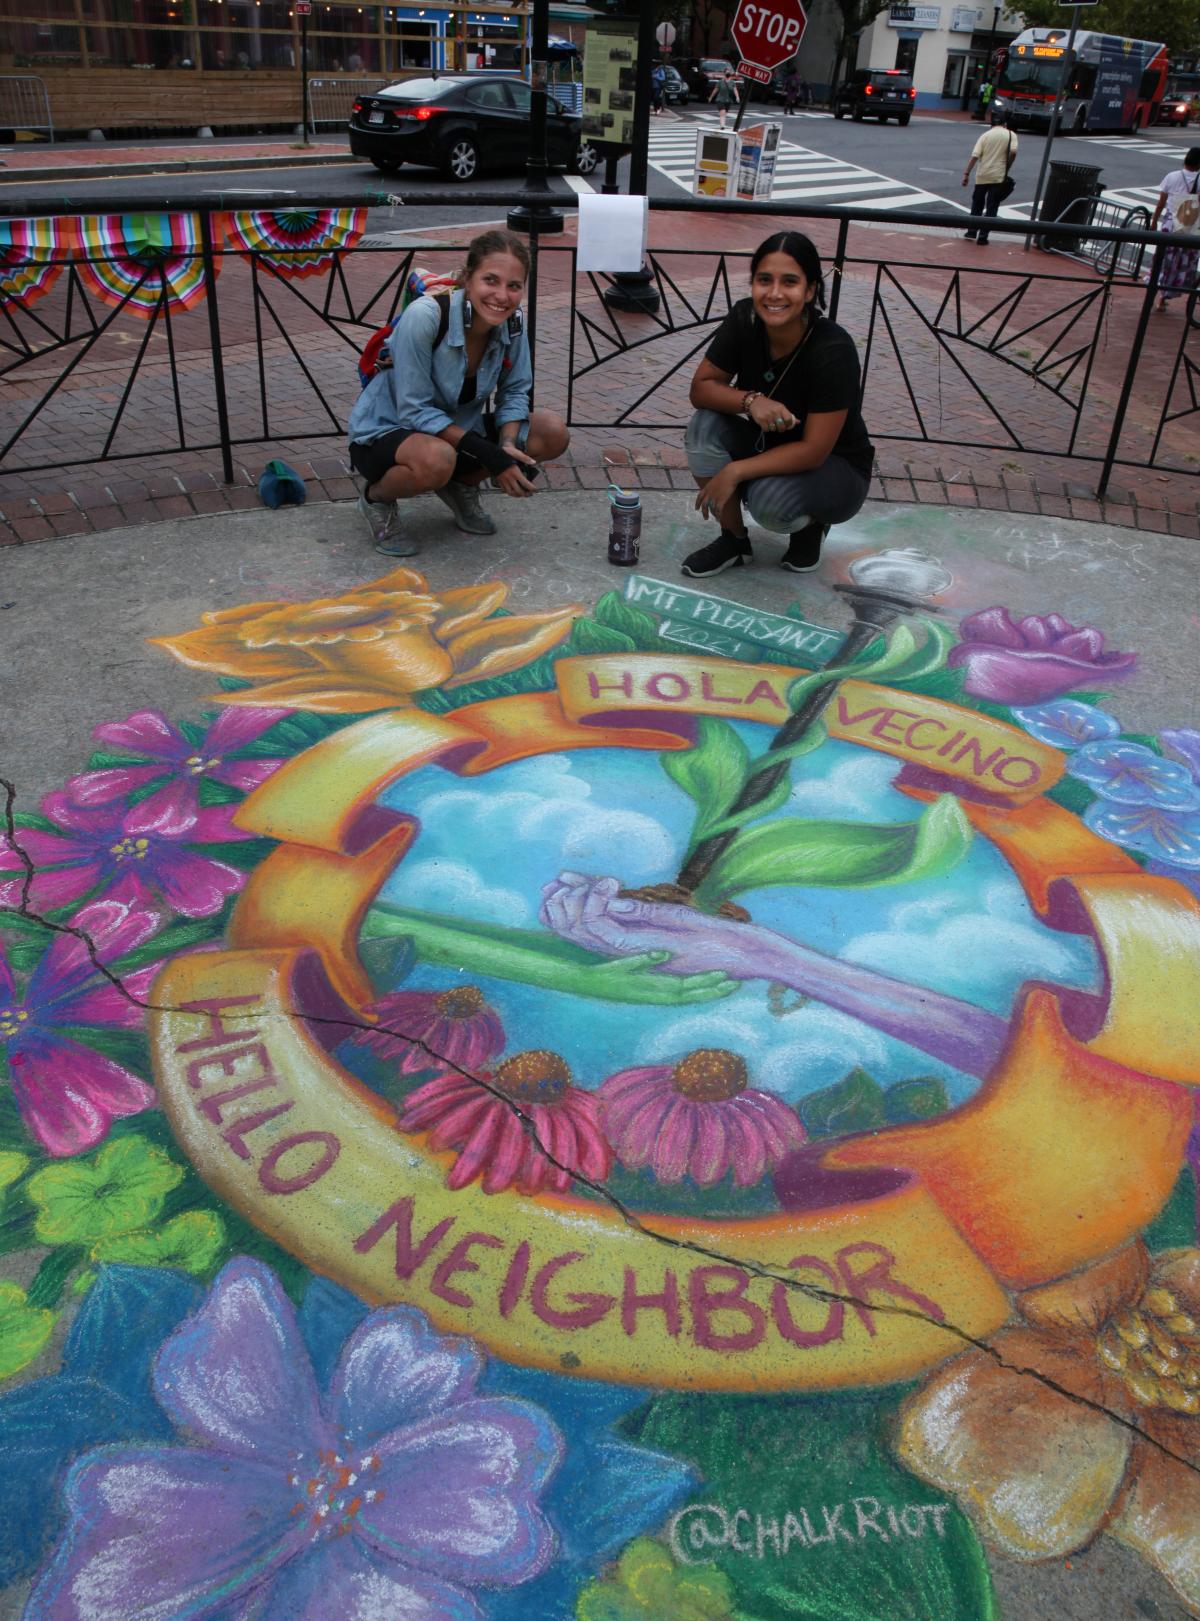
point(599, 1190)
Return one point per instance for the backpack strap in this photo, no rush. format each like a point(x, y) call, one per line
point(442, 300)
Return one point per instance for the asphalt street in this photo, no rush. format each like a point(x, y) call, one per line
point(822, 159)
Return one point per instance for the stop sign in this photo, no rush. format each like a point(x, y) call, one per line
point(768, 32)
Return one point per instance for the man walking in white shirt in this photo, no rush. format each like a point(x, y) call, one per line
point(994, 152)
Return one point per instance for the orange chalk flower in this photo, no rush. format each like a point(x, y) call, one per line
point(371, 648)
point(1086, 1418)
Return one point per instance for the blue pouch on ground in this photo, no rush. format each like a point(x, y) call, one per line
point(280, 486)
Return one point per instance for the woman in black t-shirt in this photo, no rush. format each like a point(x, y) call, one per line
point(777, 422)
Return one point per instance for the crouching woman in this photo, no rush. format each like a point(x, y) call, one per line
point(452, 408)
point(777, 426)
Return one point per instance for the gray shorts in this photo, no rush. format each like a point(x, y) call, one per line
point(831, 493)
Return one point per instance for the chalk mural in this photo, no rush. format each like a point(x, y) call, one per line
point(663, 1112)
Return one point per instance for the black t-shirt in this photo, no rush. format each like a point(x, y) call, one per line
point(824, 376)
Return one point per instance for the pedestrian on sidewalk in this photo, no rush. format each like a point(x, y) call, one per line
point(777, 424)
point(1178, 208)
point(791, 90)
point(429, 424)
point(986, 91)
point(995, 152)
point(658, 87)
point(725, 93)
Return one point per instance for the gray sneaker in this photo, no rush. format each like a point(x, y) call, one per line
point(383, 521)
point(463, 501)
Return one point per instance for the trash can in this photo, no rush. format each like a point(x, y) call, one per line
point(1068, 184)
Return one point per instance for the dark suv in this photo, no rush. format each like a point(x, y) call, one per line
point(880, 93)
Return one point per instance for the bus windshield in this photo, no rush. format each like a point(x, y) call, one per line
point(1031, 73)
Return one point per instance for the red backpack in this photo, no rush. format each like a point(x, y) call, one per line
point(376, 356)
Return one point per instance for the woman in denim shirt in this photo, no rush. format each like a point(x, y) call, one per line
point(423, 425)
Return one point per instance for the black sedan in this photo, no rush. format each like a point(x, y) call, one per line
point(458, 123)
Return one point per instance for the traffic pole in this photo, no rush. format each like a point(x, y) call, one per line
point(1064, 80)
point(304, 74)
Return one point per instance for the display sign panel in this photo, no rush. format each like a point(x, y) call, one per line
point(609, 82)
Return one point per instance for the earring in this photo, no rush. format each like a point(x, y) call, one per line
point(468, 311)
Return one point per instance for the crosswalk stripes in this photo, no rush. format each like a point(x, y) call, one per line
point(800, 173)
point(1135, 143)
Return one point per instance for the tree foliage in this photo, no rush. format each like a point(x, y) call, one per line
point(850, 18)
point(1175, 22)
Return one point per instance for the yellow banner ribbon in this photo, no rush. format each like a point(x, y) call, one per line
point(914, 1233)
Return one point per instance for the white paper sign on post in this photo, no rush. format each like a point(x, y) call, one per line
point(612, 232)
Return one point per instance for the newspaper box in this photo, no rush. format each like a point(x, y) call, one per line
point(756, 162)
point(716, 163)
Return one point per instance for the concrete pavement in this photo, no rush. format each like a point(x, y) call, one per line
point(77, 613)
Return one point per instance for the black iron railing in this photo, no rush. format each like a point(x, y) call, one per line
point(116, 361)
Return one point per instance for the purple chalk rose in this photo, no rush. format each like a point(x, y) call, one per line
point(1035, 659)
point(393, 1491)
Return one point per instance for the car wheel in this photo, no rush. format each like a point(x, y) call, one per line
point(839, 112)
point(903, 119)
point(586, 159)
point(857, 115)
point(1080, 121)
point(460, 159)
point(388, 165)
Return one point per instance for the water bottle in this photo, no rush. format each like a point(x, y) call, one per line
point(624, 527)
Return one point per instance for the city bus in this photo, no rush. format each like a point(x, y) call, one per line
point(1114, 84)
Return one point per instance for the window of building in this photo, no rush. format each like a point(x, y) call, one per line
point(906, 52)
point(953, 82)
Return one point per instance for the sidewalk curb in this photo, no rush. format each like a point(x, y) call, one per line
point(125, 502)
point(293, 160)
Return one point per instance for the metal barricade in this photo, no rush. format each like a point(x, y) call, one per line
point(24, 103)
point(330, 100)
point(1107, 258)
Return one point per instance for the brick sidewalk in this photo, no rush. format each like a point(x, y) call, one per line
point(70, 501)
point(64, 162)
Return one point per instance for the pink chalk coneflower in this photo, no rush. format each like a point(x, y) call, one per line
point(494, 1144)
point(697, 1118)
point(425, 1028)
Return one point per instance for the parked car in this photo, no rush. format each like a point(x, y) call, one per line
point(702, 72)
point(460, 123)
point(675, 88)
point(880, 93)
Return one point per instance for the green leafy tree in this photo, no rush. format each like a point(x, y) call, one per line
point(1175, 22)
point(850, 18)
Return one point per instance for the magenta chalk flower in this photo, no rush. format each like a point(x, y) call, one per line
point(67, 1091)
point(1033, 659)
point(423, 1028)
point(175, 765)
point(121, 851)
point(492, 1140)
point(697, 1118)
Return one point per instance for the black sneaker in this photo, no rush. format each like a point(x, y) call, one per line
point(804, 548)
point(727, 551)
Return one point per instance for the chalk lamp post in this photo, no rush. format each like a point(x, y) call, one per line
point(884, 587)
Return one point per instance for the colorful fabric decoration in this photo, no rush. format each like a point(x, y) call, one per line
point(138, 256)
point(30, 262)
point(295, 242)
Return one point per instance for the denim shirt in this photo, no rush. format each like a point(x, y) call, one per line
point(420, 389)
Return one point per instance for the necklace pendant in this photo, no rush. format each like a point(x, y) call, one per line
point(768, 377)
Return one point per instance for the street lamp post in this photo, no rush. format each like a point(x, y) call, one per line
point(537, 217)
point(1064, 80)
point(634, 291)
